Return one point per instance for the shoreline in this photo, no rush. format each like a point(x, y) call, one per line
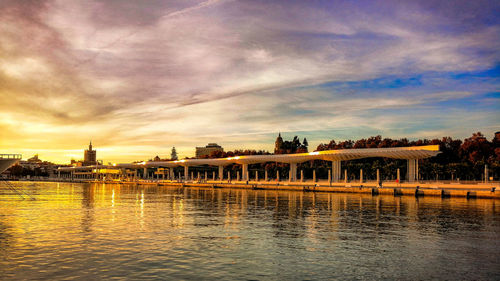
point(435, 189)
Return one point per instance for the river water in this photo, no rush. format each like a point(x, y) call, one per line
point(97, 231)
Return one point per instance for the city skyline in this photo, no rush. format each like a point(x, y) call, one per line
point(140, 78)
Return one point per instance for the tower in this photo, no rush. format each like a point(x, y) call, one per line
point(89, 156)
point(173, 155)
point(278, 144)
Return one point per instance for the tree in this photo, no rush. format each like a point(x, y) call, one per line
point(476, 148)
point(458, 159)
point(287, 147)
point(16, 170)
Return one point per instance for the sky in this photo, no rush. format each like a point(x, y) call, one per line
point(139, 77)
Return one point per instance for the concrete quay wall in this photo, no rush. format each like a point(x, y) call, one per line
point(482, 190)
point(466, 191)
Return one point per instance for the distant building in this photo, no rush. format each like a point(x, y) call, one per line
point(173, 155)
point(34, 159)
point(205, 151)
point(89, 156)
point(278, 144)
point(33, 167)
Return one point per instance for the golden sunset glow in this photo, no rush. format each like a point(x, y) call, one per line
point(140, 78)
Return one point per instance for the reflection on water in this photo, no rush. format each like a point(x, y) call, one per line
point(89, 231)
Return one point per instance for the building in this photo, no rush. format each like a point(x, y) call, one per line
point(205, 151)
point(410, 154)
point(278, 144)
point(173, 155)
point(34, 159)
point(89, 156)
point(33, 167)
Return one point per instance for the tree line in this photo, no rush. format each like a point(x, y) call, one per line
point(458, 159)
point(464, 160)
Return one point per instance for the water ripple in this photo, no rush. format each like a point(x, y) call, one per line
point(89, 232)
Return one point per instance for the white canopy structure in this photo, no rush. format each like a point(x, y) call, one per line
point(7, 160)
point(412, 154)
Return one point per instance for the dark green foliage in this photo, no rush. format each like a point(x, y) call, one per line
point(464, 160)
point(294, 146)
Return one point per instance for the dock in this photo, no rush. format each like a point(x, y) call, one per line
point(489, 190)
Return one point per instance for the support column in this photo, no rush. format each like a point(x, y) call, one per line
point(206, 176)
point(398, 176)
point(192, 176)
point(301, 175)
point(361, 176)
point(237, 175)
point(314, 175)
point(213, 175)
point(59, 174)
point(292, 176)
point(145, 174)
point(172, 174)
point(378, 177)
point(277, 175)
point(336, 170)
point(329, 177)
point(244, 172)
point(411, 170)
point(186, 173)
point(345, 176)
point(229, 176)
point(417, 177)
point(256, 175)
point(486, 173)
point(265, 175)
point(221, 173)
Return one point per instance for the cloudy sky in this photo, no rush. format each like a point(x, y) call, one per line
point(138, 77)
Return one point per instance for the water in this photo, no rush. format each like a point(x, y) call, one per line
point(96, 231)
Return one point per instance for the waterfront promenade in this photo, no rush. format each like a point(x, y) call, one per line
point(170, 169)
point(177, 173)
point(443, 189)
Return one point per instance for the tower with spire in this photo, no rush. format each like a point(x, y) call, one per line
point(89, 156)
point(278, 144)
point(173, 155)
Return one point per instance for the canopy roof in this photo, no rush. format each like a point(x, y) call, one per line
point(413, 152)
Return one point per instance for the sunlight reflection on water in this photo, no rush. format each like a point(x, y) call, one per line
point(96, 231)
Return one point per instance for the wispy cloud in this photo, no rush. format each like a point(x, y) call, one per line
point(163, 73)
